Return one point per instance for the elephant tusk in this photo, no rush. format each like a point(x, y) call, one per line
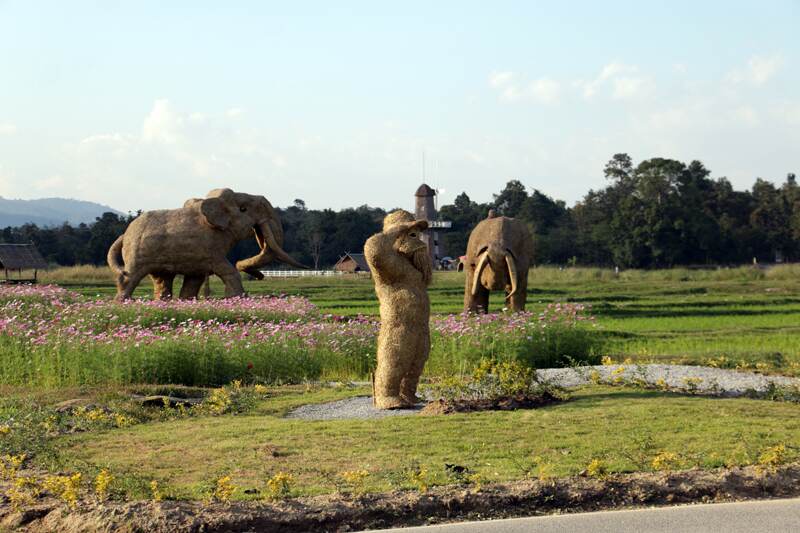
point(259, 238)
point(512, 274)
point(476, 280)
point(275, 248)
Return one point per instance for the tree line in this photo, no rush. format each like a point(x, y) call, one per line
point(658, 213)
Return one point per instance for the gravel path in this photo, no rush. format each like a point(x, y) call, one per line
point(358, 407)
point(716, 381)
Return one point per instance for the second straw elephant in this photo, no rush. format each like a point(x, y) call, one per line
point(499, 254)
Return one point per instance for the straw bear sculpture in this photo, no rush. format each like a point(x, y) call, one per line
point(401, 268)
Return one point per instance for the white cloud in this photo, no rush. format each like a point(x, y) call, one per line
point(542, 90)
point(745, 115)
point(670, 118)
point(788, 112)
point(506, 83)
point(545, 90)
point(627, 88)
point(617, 80)
point(7, 129)
point(163, 124)
point(623, 79)
point(759, 70)
point(590, 88)
point(500, 79)
point(235, 112)
point(49, 184)
point(173, 156)
point(679, 68)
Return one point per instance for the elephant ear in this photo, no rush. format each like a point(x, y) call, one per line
point(215, 213)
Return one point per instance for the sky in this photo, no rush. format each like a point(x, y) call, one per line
point(141, 105)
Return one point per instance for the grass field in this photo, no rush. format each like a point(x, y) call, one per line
point(624, 429)
point(742, 318)
point(733, 317)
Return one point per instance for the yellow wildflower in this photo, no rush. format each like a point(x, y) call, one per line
point(419, 478)
point(355, 478)
point(225, 489)
point(772, 458)
point(101, 483)
point(155, 492)
point(664, 461)
point(280, 485)
point(597, 468)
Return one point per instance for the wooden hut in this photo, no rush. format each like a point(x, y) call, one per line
point(352, 263)
point(21, 257)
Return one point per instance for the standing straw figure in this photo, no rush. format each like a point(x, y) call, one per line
point(401, 267)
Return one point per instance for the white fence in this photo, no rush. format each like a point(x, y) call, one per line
point(303, 273)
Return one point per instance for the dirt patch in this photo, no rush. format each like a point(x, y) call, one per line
point(511, 403)
point(405, 508)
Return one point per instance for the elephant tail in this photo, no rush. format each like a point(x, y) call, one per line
point(114, 259)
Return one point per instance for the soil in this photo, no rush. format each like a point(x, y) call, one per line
point(508, 403)
point(405, 508)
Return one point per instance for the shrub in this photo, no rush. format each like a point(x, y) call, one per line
point(493, 380)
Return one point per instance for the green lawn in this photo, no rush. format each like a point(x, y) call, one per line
point(732, 318)
point(624, 428)
point(738, 318)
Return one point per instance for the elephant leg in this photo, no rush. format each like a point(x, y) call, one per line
point(230, 277)
point(410, 381)
point(191, 286)
point(517, 301)
point(394, 357)
point(131, 283)
point(469, 306)
point(207, 287)
point(480, 302)
point(162, 285)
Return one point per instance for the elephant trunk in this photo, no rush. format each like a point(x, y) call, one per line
point(270, 249)
point(476, 276)
point(512, 273)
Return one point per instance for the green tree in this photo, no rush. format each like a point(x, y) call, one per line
point(511, 198)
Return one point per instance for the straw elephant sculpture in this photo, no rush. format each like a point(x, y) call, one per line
point(194, 241)
point(401, 268)
point(499, 254)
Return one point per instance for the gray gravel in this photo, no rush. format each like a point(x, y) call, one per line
point(716, 381)
point(358, 407)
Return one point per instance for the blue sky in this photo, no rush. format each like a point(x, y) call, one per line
point(140, 106)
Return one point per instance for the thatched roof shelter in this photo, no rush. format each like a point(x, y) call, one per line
point(21, 257)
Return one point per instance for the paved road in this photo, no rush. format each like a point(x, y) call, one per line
point(769, 516)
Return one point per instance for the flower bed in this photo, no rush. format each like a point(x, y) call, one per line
point(53, 337)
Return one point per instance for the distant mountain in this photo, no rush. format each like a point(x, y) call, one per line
point(49, 211)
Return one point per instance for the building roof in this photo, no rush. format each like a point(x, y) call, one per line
point(18, 256)
point(424, 190)
point(359, 260)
